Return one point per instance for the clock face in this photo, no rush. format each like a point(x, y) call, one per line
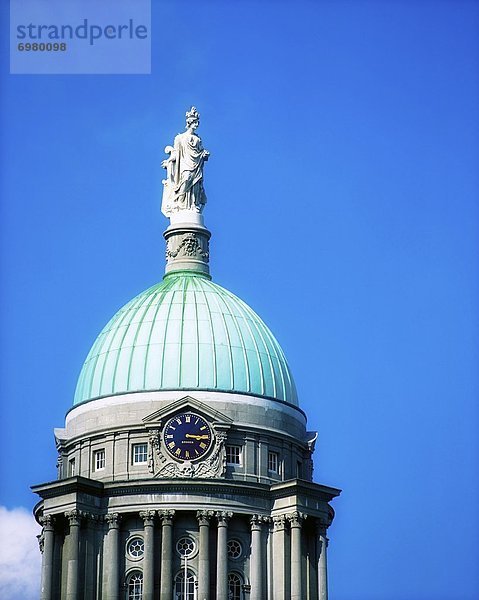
point(187, 436)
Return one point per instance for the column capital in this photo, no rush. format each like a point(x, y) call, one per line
point(256, 521)
point(93, 517)
point(223, 517)
point(279, 522)
point(48, 522)
point(113, 520)
point(321, 527)
point(74, 517)
point(148, 517)
point(166, 516)
point(296, 518)
point(204, 516)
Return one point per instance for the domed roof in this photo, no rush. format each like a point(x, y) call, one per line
point(186, 333)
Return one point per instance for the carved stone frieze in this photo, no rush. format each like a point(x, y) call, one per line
point(74, 517)
point(166, 516)
point(153, 447)
point(113, 520)
point(279, 522)
point(213, 466)
point(223, 517)
point(187, 245)
point(296, 518)
point(257, 521)
point(204, 516)
point(148, 517)
point(47, 521)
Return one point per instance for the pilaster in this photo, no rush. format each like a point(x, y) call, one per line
point(296, 520)
point(204, 517)
point(111, 557)
point(223, 518)
point(257, 571)
point(74, 519)
point(322, 545)
point(279, 553)
point(166, 574)
point(148, 517)
point(46, 546)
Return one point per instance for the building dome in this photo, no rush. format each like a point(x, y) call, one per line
point(186, 333)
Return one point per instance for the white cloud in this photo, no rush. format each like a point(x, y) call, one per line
point(20, 558)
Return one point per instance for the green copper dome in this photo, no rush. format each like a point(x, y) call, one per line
point(186, 333)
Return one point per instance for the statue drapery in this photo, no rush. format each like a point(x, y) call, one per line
point(183, 186)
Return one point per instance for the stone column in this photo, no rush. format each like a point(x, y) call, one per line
point(74, 518)
point(148, 517)
point(222, 555)
point(257, 570)
point(46, 546)
point(111, 557)
point(279, 585)
point(204, 517)
point(322, 542)
point(166, 575)
point(296, 520)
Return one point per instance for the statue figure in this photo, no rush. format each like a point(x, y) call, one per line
point(183, 186)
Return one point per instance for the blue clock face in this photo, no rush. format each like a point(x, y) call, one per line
point(187, 436)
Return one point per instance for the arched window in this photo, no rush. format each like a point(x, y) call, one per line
point(135, 586)
point(234, 587)
point(180, 592)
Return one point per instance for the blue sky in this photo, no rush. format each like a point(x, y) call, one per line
point(343, 202)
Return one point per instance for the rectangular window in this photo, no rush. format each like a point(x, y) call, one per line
point(233, 455)
point(299, 469)
point(273, 462)
point(99, 460)
point(140, 454)
point(71, 468)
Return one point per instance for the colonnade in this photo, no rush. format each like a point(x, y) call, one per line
point(286, 559)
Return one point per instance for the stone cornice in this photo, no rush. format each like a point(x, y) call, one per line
point(302, 487)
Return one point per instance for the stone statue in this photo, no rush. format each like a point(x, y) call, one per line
point(183, 186)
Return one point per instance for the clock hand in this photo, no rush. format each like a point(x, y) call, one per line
point(196, 437)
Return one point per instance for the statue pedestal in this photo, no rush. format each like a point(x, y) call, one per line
point(187, 243)
point(186, 217)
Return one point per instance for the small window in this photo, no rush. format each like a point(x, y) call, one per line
point(99, 460)
point(233, 455)
point(136, 547)
point(71, 468)
point(182, 591)
point(186, 546)
point(140, 454)
point(234, 549)
point(135, 586)
point(273, 462)
point(234, 586)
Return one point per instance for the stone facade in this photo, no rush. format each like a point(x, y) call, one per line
point(255, 528)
